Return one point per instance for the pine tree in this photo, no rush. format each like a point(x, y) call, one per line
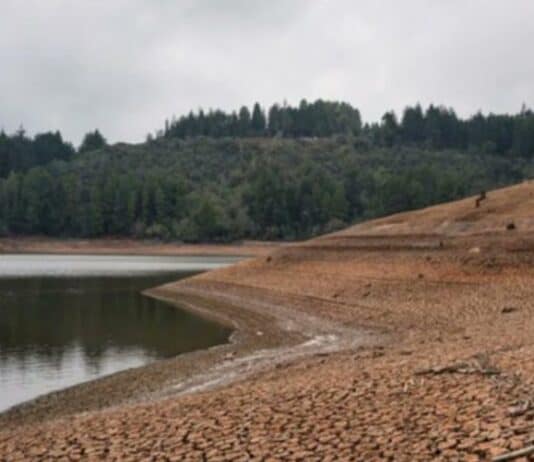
point(244, 122)
point(92, 141)
point(339, 205)
point(206, 219)
point(96, 225)
point(258, 122)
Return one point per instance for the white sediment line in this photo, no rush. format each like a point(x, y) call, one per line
point(240, 368)
point(322, 336)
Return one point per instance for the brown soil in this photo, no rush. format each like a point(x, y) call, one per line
point(448, 373)
point(130, 247)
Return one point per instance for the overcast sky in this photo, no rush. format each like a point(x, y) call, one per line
point(123, 66)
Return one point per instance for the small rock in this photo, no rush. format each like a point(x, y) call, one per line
point(508, 309)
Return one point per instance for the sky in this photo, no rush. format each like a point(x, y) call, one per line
point(124, 66)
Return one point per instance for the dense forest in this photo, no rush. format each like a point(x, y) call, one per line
point(19, 153)
point(290, 173)
point(437, 127)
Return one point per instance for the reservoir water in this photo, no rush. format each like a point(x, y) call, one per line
point(69, 319)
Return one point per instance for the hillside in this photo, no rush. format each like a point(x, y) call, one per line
point(228, 189)
point(282, 173)
point(403, 338)
point(500, 208)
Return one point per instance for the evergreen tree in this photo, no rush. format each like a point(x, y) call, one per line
point(96, 220)
point(258, 122)
point(413, 125)
point(206, 219)
point(244, 122)
point(339, 206)
point(390, 128)
point(50, 146)
point(92, 141)
point(37, 194)
point(275, 121)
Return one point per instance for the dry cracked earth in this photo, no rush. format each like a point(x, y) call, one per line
point(448, 296)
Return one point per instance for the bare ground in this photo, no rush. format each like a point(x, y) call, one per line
point(117, 246)
point(406, 338)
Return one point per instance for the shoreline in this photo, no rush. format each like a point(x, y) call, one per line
point(130, 385)
point(126, 246)
point(258, 342)
point(142, 383)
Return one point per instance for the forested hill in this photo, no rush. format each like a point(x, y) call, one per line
point(282, 173)
point(229, 188)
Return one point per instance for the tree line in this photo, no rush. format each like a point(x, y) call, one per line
point(19, 152)
point(317, 119)
point(436, 127)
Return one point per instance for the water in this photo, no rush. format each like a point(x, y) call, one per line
point(68, 319)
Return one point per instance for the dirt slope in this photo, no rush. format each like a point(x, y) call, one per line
point(498, 209)
point(446, 292)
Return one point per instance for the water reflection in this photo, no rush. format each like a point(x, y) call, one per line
point(57, 331)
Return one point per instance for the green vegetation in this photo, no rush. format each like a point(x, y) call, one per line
point(92, 141)
point(437, 127)
point(300, 172)
point(19, 153)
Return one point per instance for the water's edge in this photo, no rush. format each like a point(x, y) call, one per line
point(23, 267)
point(258, 342)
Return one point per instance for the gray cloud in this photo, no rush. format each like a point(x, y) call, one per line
point(125, 65)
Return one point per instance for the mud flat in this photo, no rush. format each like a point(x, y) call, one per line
point(405, 338)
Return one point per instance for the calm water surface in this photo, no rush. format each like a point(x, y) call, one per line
point(68, 319)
